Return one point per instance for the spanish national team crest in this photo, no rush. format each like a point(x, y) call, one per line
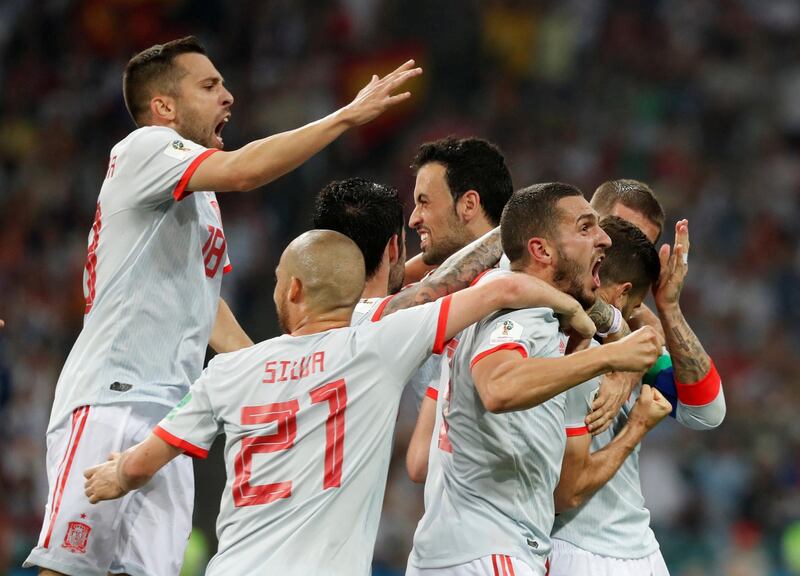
point(76, 538)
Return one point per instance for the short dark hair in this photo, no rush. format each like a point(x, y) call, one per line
point(471, 164)
point(631, 257)
point(634, 194)
point(155, 69)
point(531, 212)
point(367, 212)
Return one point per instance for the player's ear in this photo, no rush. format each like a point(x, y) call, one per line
point(540, 250)
point(162, 109)
point(619, 294)
point(392, 250)
point(295, 292)
point(468, 206)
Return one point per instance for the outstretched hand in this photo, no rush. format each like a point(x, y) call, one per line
point(376, 97)
point(674, 266)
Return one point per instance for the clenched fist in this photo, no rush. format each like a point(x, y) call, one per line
point(650, 408)
point(637, 352)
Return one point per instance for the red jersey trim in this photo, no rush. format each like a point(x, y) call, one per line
point(188, 447)
point(506, 346)
point(381, 307)
point(702, 392)
point(79, 417)
point(441, 326)
point(576, 431)
point(180, 190)
point(479, 276)
point(228, 268)
point(432, 393)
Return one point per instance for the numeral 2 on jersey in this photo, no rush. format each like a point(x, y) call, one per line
point(284, 414)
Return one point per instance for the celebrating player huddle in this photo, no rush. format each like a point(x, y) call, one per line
point(522, 330)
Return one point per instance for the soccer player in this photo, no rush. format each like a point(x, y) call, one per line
point(609, 531)
point(511, 397)
point(157, 253)
point(308, 416)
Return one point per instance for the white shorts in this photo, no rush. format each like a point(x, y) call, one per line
point(566, 559)
point(142, 534)
point(493, 565)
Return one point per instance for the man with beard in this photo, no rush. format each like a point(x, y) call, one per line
point(308, 416)
point(511, 397)
point(609, 532)
point(156, 256)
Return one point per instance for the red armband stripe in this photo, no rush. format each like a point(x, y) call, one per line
point(577, 431)
point(441, 326)
point(701, 392)
point(432, 393)
point(188, 447)
point(506, 346)
point(228, 268)
point(180, 190)
point(381, 307)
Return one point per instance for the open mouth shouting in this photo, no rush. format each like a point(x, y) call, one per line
point(220, 126)
point(596, 271)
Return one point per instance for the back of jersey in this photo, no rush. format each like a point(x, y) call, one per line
point(154, 268)
point(308, 423)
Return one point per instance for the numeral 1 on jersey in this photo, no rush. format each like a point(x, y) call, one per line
point(284, 414)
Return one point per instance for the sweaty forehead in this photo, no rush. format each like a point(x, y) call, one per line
point(573, 207)
point(197, 66)
point(432, 181)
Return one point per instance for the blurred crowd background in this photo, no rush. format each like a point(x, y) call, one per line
point(699, 98)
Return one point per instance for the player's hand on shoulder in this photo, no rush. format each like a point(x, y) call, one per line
point(615, 388)
point(651, 407)
point(376, 97)
point(102, 481)
point(637, 352)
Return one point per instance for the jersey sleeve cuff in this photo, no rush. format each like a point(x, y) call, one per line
point(701, 392)
point(441, 326)
point(228, 268)
point(505, 346)
point(576, 430)
point(180, 191)
point(432, 393)
point(187, 447)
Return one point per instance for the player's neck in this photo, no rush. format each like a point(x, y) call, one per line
point(377, 286)
point(322, 323)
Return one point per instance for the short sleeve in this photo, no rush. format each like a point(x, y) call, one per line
point(578, 404)
point(407, 337)
point(531, 332)
point(191, 425)
point(156, 165)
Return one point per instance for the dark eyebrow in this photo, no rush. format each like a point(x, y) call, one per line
point(589, 215)
point(213, 80)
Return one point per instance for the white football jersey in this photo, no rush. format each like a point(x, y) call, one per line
point(491, 491)
point(155, 262)
point(309, 422)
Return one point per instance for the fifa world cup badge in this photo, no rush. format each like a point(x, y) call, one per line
point(76, 538)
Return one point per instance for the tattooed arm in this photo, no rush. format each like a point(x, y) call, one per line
point(602, 314)
point(455, 273)
point(696, 383)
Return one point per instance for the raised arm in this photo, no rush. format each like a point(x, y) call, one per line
point(455, 273)
point(227, 335)
point(701, 403)
point(264, 160)
point(584, 472)
point(129, 470)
